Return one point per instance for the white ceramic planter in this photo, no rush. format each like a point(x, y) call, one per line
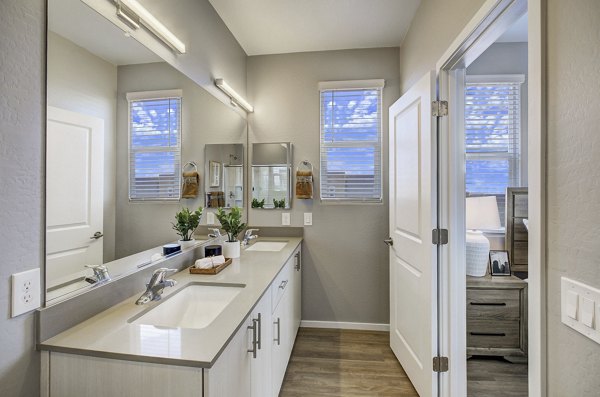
point(186, 244)
point(231, 249)
point(478, 251)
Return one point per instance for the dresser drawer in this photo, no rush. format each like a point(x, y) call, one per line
point(497, 334)
point(493, 304)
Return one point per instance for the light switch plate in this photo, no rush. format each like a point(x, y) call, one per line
point(25, 292)
point(307, 218)
point(285, 218)
point(210, 218)
point(588, 299)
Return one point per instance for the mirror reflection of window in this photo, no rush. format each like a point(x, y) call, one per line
point(270, 183)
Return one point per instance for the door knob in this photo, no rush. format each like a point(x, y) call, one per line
point(96, 236)
point(389, 242)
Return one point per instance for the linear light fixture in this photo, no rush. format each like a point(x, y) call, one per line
point(235, 97)
point(142, 16)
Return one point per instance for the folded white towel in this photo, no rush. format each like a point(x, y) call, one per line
point(209, 262)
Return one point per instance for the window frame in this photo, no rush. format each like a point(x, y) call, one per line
point(515, 156)
point(349, 85)
point(147, 96)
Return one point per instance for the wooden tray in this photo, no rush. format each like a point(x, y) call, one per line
point(214, 270)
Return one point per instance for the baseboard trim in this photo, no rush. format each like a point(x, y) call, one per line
point(345, 325)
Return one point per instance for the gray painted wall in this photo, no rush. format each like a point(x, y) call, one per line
point(22, 60)
point(346, 275)
point(508, 58)
point(573, 178)
point(432, 30)
point(81, 82)
point(205, 119)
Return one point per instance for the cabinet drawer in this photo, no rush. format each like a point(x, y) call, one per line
point(281, 284)
point(493, 304)
point(493, 334)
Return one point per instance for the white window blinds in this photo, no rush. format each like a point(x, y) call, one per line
point(492, 133)
point(154, 145)
point(351, 141)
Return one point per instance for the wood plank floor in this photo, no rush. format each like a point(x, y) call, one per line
point(495, 377)
point(332, 362)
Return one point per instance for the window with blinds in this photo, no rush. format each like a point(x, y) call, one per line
point(492, 134)
point(154, 145)
point(351, 141)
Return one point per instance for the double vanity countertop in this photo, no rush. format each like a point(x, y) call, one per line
point(116, 334)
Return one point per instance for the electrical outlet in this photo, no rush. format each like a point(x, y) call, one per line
point(308, 219)
point(210, 218)
point(285, 218)
point(25, 291)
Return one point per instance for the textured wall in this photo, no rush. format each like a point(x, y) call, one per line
point(204, 119)
point(346, 275)
point(573, 177)
point(81, 82)
point(431, 32)
point(22, 36)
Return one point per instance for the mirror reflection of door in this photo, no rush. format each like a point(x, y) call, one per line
point(74, 200)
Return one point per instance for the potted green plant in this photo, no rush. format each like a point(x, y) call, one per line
point(185, 224)
point(231, 222)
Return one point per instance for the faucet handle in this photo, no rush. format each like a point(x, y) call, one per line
point(216, 232)
point(250, 231)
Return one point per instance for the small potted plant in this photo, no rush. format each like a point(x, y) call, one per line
point(232, 224)
point(185, 224)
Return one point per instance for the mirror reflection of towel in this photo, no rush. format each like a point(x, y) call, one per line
point(191, 183)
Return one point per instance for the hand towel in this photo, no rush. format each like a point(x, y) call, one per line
point(209, 262)
point(304, 184)
point(191, 183)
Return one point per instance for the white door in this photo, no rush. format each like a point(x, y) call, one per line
point(75, 191)
point(413, 263)
point(261, 363)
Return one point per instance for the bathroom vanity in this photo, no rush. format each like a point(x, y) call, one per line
point(230, 334)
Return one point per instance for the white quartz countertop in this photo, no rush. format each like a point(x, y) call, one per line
point(110, 334)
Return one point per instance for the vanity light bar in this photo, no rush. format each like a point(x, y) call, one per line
point(149, 21)
point(235, 97)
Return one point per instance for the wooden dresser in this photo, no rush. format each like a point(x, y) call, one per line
point(497, 317)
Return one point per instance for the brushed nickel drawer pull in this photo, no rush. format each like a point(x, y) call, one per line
point(487, 333)
point(487, 303)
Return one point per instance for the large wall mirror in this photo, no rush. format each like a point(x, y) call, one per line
point(122, 123)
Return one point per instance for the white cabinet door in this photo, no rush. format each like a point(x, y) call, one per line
point(261, 362)
point(297, 291)
point(281, 343)
point(231, 374)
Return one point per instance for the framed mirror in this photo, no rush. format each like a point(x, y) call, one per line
point(224, 165)
point(271, 175)
point(121, 125)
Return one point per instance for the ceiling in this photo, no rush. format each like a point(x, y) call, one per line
point(77, 22)
point(516, 33)
point(285, 26)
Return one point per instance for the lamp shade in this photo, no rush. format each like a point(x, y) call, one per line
point(482, 213)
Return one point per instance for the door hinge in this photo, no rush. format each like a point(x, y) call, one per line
point(440, 364)
point(439, 108)
point(439, 236)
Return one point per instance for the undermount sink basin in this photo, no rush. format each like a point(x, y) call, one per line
point(267, 246)
point(194, 306)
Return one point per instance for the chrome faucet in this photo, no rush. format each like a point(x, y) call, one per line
point(216, 232)
point(100, 274)
point(156, 286)
point(249, 236)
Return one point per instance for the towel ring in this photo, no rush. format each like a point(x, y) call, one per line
point(190, 163)
point(305, 165)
